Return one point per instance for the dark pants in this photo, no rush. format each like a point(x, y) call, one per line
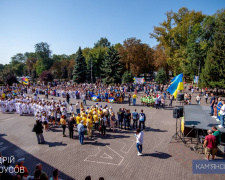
point(71, 133)
point(157, 106)
point(84, 101)
point(135, 123)
point(108, 120)
point(96, 126)
point(68, 101)
point(163, 106)
point(143, 124)
point(127, 124)
point(40, 138)
point(120, 123)
point(171, 102)
point(103, 130)
point(64, 128)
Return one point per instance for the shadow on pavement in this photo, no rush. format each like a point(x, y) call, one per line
point(9, 149)
point(53, 144)
point(160, 155)
point(96, 143)
point(154, 130)
point(55, 130)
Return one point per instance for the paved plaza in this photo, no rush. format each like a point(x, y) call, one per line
point(113, 157)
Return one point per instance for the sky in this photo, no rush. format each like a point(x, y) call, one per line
point(67, 24)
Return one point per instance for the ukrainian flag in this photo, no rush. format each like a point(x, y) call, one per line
point(176, 85)
point(25, 80)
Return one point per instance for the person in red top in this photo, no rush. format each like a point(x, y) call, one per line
point(210, 145)
point(20, 169)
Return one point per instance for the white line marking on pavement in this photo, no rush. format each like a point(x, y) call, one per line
point(106, 156)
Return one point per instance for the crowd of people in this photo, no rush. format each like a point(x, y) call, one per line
point(20, 172)
point(212, 140)
point(50, 113)
point(85, 120)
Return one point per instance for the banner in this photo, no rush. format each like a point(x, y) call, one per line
point(182, 125)
point(95, 98)
point(139, 80)
point(111, 100)
point(196, 78)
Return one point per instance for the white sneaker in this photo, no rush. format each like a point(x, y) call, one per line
point(217, 119)
point(139, 154)
point(220, 126)
point(214, 116)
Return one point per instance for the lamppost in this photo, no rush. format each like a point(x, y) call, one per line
point(199, 70)
point(91, 72)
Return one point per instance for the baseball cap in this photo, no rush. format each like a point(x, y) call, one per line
point(19, 161)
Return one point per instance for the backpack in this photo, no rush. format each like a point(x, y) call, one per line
point(142, 117)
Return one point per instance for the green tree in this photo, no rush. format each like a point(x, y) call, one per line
point(111, 67)
point(91, 68)
point(195, 54)
point(173, 35)
point(161, 77)
point(43, 53)
point(64, 72)
point(103, 42)
point(33, 74)
point(80, 68)
point(127, 77)
point(214, 69)
point(17, 64)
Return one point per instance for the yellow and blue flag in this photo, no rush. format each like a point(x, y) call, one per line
point(25, 80)
point(176, 85)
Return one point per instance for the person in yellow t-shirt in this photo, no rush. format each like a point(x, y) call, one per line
point(63, 123)
point(78, 118)
point(134, 99)
point(89, 114)
point(91, 111)
point(95, 117)
point(82, 113)
point(89, 126)
point(100, 112)
point(84, 118)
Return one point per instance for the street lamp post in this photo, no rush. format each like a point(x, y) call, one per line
point(91, 71)
point(199, 70)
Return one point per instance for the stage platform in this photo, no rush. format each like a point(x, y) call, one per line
point(199, 117)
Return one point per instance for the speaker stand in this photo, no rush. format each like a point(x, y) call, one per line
point(177, 135)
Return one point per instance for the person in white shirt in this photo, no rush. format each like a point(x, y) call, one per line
point(222, 114)
point(71, 110)
point(198, 99)
point(77, 107)
point(139, 140)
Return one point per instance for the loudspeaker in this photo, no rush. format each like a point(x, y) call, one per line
point(180, 97)
point(181, 111)
point(176, 112)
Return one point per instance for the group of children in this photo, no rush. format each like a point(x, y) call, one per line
point(153, 100)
